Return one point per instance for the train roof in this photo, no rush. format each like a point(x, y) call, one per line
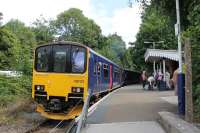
point(79, 44)
point(103, 57)
point(63, 42)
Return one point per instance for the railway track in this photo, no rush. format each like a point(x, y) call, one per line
point(53, 126)
point(59, 126)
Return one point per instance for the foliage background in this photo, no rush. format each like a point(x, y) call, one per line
point(158, 21)
point(17, 41)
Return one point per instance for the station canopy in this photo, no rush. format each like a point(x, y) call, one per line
point(158, 54)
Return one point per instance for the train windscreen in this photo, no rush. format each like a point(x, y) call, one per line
point(60, 59)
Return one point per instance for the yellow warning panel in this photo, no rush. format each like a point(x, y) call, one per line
point(73, 113)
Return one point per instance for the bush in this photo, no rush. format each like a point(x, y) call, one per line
point(12, 88)
point(196, 98)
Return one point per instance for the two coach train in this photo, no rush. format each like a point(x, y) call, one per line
point(64, 72)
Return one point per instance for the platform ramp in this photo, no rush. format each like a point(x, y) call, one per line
point(124, 127)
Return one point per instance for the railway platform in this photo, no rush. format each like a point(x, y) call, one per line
point(130, 109)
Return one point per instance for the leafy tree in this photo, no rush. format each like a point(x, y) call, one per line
point(43, 30)
point(114, 48)
point(9, 50)
point(127, 60)
point(27, 43)
point(190, 26)
point(155, 27)
point(72, 25)
point(1, 17)
point(193, 32)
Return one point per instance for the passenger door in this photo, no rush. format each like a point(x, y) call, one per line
point(111, 77)
point(99, 77)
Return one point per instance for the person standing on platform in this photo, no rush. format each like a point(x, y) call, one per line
point(160, 78)
point(144, 78)
point(167, 78)
point(174, 79)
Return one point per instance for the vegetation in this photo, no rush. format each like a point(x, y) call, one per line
point(17, 42)
point(13, 88)
point(158, 21)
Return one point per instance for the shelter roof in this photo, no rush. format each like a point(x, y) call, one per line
point(159, 54)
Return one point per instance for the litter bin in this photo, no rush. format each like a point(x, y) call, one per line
point(181, 94)
point(162, 85)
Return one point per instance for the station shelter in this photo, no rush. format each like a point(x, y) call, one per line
point(163, 60)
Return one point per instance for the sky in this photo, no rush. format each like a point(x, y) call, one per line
point(113, 16)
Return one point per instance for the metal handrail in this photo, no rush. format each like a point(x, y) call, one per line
point(83, 116)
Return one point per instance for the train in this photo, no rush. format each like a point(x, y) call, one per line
point(63, 74)
point(131, 77)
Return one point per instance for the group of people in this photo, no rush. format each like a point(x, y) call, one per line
point(157, 80)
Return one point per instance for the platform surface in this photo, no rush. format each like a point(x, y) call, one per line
point(125, 127)
point(132, 103)
point(131, 109)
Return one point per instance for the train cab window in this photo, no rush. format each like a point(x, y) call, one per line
point(60, 58)
point(42, 58)
point(78, 59)
point(105, 70)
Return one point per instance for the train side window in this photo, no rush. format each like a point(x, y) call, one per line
point(105, 70)
point(98, 68)
point(116, 75)
point(95, 67)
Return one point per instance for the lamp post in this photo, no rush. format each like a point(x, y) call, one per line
point(181, 83)
point(154, 45)
point(178, 26)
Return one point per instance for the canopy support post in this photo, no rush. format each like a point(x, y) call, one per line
point(164, 70)
point(154, 66)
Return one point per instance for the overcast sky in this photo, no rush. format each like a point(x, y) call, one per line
point(111, 15)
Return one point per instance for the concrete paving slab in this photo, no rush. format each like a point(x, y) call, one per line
point(171, 99)
point(125, 127)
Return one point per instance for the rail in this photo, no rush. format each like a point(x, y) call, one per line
point(83, 116)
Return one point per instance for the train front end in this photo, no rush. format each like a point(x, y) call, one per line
point(60, 79)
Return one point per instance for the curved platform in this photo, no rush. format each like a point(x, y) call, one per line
point(125, 127)
point(130, 109)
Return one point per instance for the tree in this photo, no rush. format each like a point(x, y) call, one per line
point(9, 50)
point(190, 26)
point(1, 17)
point(27, 43)
point(156, 26)
point(193, 32)
point(43, 30)
point(114, 48)
point(72, 25)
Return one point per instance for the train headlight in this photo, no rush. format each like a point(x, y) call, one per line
point(77, 90)
point(39, 87)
